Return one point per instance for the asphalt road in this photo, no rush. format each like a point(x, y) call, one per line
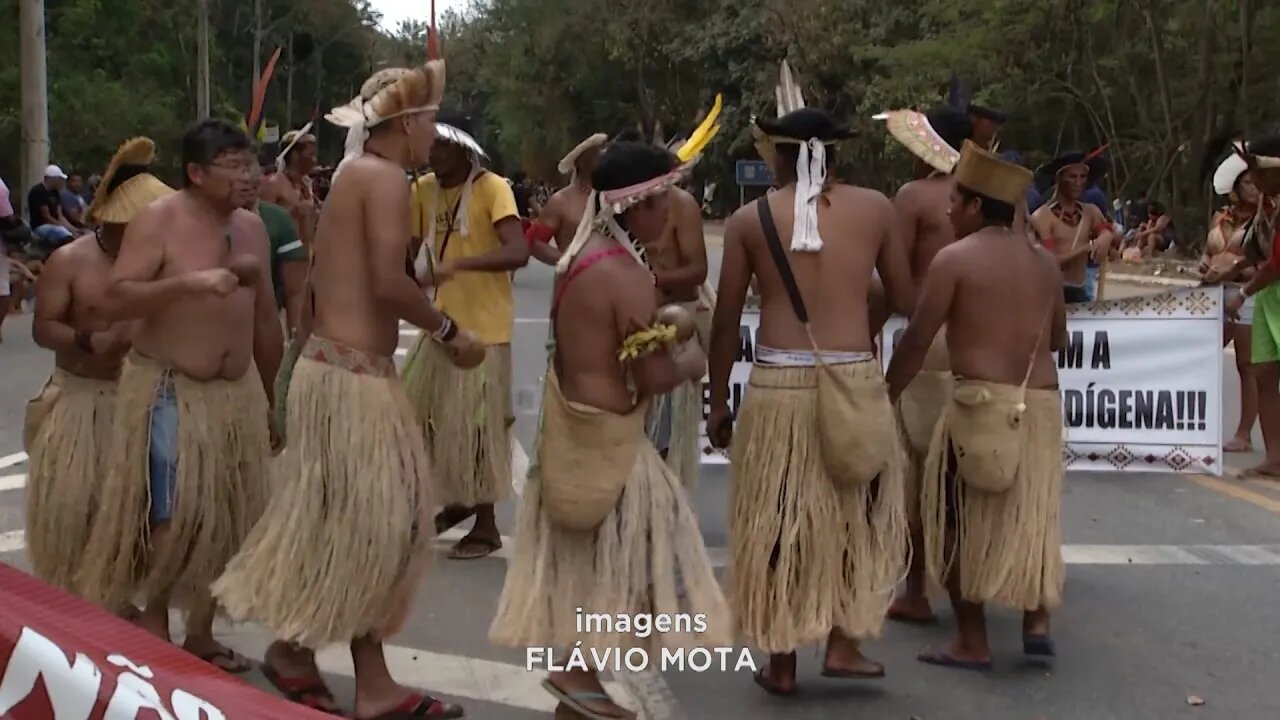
point(1171, 592)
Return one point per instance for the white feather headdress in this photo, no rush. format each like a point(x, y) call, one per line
point(387, 94)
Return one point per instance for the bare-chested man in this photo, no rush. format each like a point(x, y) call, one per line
point(986, 125)
point(992, 491)
point(559, 220)
point(341, 550)
point(923, 206)
point(291, 188)
point(1072, 230)
point(189, 468)
point(69, 425)
point(813, 555)
point(609, 531)
point(678, 260)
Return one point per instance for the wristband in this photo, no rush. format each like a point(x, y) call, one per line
point(538, 232)
point(447, 332)
point(84, 341)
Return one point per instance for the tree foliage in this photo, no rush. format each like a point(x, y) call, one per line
point(119, 68)
point(1153, 78)
point(1156, 79)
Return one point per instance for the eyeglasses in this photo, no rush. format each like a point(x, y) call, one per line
point(244, 168)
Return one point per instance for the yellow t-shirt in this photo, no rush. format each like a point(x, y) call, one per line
point(480, 302)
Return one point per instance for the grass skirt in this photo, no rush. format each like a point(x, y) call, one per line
point(347, 536)
point(1009, 548)
point(632, 563)
point(71, 427)
point(807, 556)
point(220, 492)
point(464, 419)
point(284, 376)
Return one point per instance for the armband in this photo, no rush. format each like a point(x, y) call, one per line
point(84, 341)
point(645, 342)
point(447, 332)
point(538, 233)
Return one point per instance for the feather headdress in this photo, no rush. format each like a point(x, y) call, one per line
point(789, 98)
point(813, 130)
point(611, 203)
point(127, 186)
point(449, 129)
point(569, 163)
point(918, 134)
point(292, 138)
point(388, 94)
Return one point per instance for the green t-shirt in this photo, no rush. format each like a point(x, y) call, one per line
point(286, 246)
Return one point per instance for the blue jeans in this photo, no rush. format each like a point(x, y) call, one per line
point(162, 454)
point(1091, 281)
point(54, 235)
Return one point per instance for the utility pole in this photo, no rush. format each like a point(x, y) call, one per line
point(202, 84)
point(35, 93)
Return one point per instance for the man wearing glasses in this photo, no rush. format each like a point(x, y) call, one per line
point(188, 475)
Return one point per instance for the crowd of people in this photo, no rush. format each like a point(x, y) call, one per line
point(225, 427)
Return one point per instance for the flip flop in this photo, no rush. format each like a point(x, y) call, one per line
point(419, 707)
point(837, 674)
point(481, 548)
point(1038, 645)
point(942, 658)
point(764, 682)
point(575, 701)
point(307, 692)
point(236, 664)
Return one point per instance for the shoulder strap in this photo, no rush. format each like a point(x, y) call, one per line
point(780, 259)
point(784, 269)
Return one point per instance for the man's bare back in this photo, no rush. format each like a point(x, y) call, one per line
point(564, 212)
point(346, 306)
point(995, 314)
point(682, 246)
point(72, 291)
point(859, 232)
point(599, 308)
point(588, 330)
point(202, 334)
point(922, 207)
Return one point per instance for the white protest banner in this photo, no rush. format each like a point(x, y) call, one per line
point(1141, 383)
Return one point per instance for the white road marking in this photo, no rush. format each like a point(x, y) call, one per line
point(453, 676)
point(402, 352)
point(11, 460)
point(13, 541)
point(12, 482)
point(1145, 555)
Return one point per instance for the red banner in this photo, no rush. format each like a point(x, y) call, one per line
point(62, 658)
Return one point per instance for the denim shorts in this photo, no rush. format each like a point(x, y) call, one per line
point(162, 453)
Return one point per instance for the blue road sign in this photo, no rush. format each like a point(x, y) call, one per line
point(754, 173)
